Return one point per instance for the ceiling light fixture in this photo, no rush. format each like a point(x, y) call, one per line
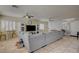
point(28, 16)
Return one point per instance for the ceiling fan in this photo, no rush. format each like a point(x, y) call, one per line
point(29, 18)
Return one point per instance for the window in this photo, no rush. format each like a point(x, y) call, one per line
point(10, 25)
point(14, 25)
point(2, 25)
point(19, 26)
point(7, 25)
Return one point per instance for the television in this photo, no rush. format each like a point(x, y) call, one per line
point(30, 27)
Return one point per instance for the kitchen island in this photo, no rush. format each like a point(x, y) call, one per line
point(37, 41)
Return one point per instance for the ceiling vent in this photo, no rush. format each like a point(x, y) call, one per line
point(15, 6)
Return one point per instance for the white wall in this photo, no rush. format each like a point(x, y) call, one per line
point(71, 26)
point(74, 27)
point(55, 25)
point(66, 27)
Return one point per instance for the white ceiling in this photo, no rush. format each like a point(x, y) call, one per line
point(41, 11)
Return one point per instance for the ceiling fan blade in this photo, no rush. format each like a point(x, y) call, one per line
point(28, 16)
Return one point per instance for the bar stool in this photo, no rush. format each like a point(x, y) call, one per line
point(3, 34)
point(77, 35)
point(0, 36)
point(9, 34)
point(14, 34)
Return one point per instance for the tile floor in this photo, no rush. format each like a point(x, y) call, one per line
point(66, 45)
point(9, 46)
